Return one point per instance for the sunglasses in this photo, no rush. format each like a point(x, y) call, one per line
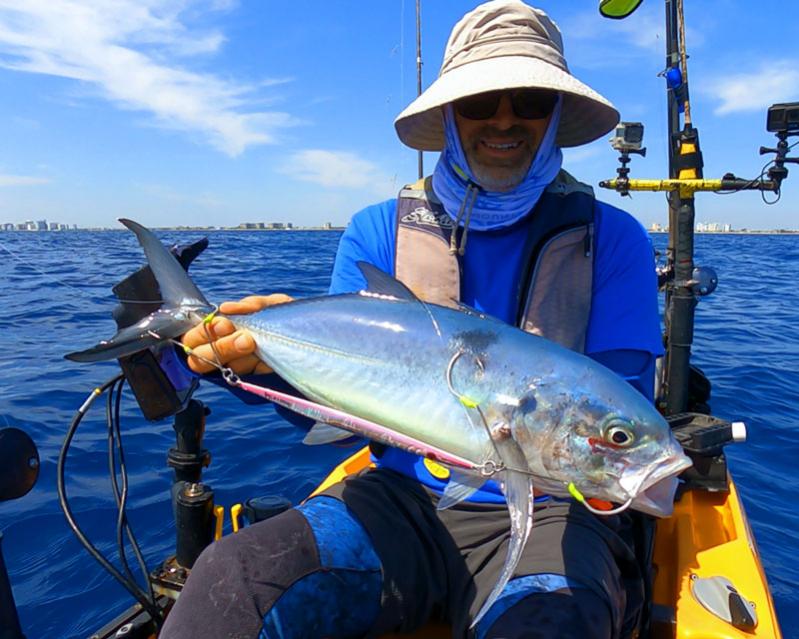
point(528, 104)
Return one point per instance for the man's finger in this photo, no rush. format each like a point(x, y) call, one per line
point(253, 303)
point(219, 327)
point(225, 350)
point(262, 369)
point(249, 364)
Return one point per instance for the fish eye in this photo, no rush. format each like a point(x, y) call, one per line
point(620, 435)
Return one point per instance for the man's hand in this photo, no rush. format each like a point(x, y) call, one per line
point(234, 348)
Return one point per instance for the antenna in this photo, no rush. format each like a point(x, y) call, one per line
point(419, 69)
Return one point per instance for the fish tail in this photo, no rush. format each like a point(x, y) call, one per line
point(182, 305)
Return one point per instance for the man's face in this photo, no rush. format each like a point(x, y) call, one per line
point(501, 147)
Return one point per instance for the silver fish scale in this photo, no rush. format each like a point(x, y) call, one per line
point(373, 358)
point(386, 360)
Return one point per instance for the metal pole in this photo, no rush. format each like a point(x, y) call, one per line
point(419, 69)
point(672, 59)
point(680, 298)
point(683, 59)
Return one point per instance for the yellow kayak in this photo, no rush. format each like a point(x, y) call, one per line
point(702, 551)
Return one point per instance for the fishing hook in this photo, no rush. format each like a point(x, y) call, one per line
point(489, 467)
point(575, 492)
point(465, 400)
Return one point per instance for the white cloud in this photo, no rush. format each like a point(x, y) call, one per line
point(21, 180)
point(126, 50)
point(644, 29)
point(776, 81)
point(594, 42)
point(338, 169)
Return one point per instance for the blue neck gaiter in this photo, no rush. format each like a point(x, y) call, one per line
point(453, 180)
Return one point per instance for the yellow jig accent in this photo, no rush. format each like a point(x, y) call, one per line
point(574, 492)
point(210, 317)
point(469, 403)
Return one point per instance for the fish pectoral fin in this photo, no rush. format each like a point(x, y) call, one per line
point(322, 433)
point(460, 486)
point(150, 331)
point(518, 489)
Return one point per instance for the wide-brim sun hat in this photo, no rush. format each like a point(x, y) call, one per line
point(503, 45)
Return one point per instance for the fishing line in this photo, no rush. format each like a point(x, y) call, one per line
point(81, 292)
point(25, 262)
point(487, 468)
point(402, 51)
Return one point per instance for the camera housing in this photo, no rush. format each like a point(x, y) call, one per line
point(628, 137)
point(783, 118)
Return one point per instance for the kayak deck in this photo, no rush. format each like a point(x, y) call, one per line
point(707, 536)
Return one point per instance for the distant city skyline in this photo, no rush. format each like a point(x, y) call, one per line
point(197, 113)
point(47, 226)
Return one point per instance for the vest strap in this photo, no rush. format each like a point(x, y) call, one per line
point(556, 282)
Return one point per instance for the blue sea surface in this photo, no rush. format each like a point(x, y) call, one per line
point(56, 298)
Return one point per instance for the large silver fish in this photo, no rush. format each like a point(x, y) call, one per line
point(479, 395)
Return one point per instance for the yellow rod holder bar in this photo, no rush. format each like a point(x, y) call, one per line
point(685, 187)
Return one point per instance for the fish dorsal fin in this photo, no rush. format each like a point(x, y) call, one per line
point(469, 310)
point(381, 283)
point(460, 486)
point(177, 289)
point(322, 433)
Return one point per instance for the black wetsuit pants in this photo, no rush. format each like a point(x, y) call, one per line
point(374, 556)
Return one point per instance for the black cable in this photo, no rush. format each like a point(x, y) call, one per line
point(123, 517)
point(758, 179)
point(131, 587)
point(112, 471)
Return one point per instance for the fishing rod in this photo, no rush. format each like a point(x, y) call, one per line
point(419, 70)
point(681, 280)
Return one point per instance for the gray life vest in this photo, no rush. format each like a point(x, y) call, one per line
point(554, 293)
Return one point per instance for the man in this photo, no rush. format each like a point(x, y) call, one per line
point(501, 228)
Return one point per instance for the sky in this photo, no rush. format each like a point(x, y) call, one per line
point(181, 112)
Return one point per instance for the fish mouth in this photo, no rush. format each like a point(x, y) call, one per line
point(654, 493)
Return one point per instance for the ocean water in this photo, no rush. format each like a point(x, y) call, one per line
point(55, 291)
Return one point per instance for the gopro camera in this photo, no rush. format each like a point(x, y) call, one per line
point(628, 137)
point(783, 118)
